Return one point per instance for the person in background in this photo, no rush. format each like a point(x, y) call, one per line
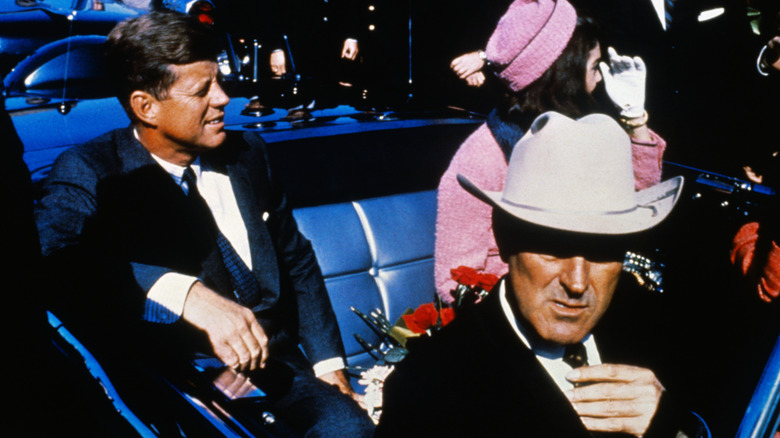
point(441, 31)
point(323, 47)
point(755, 248)
point(547, 59)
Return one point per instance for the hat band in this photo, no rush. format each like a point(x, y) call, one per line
point(569, 212)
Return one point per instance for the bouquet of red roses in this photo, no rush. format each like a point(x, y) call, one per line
point(423, 321)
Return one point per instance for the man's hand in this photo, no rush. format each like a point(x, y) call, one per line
point(615, 398)
point(476, 80)
point(466, 65)
point(278, 63)
point(234, 333)
point(772, 54)
point(350, 49)
point(339, 379)
point(234, 385)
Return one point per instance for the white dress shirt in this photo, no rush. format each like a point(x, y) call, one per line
point(660, 10)
point(165, 299)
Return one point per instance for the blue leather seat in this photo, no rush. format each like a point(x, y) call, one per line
point(375, 254)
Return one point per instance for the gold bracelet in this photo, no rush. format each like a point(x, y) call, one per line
point(633, 123)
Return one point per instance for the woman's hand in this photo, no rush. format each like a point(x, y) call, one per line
point(624, 80)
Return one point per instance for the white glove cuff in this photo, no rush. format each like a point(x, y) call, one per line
point(628, 111)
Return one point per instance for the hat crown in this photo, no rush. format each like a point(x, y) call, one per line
point(577, 175)
point(572, 167)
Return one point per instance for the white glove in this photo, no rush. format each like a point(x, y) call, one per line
point(624, 80)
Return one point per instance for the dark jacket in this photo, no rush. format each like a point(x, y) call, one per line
point(477, 378)
point(112, 222)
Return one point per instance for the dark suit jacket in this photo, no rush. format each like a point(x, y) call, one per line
point(477, 378)
point(112, 221)
point(316, 30)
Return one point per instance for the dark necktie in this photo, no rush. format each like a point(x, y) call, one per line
point(575, 355)
point(668, 9)
point(245, 285)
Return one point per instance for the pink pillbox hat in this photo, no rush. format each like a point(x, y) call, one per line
point(529, 38)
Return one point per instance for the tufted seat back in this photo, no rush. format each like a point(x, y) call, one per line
point(375, 254)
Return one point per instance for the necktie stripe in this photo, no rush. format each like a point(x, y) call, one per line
point(669, 8)
point(245, 285)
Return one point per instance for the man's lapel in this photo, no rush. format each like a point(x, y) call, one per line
point(264, 260)
point(525, 375)
point(131, 152)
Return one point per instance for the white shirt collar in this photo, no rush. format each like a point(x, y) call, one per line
point(177, 171)
point(660, 11)
point(174, 170)
point(550, 358)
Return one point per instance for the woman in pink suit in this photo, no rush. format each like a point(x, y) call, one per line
point(548, 59)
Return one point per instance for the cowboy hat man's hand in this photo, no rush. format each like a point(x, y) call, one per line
point(615, 398)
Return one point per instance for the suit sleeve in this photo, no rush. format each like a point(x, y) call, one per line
point(318, 329)
point(85, 274)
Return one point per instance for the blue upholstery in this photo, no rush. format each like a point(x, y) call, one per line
point(374, 253)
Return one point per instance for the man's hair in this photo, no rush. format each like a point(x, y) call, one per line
point(139, 51)
point(562, 87)
point(514, 235)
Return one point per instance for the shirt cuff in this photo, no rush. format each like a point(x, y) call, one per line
point(328, 366)
point(165, 299)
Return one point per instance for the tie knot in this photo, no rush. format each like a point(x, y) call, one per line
point(189, 180)
point(575, 355)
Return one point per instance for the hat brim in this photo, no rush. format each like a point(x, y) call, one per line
point(653, 206)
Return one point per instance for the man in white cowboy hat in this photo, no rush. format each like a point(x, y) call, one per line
point(536, 358)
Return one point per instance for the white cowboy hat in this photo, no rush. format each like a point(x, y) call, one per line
point(577, 175)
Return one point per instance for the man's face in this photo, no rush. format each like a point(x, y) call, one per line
point(562, 298)
point(191, 117)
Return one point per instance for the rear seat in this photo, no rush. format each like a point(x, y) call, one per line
point(375, 254)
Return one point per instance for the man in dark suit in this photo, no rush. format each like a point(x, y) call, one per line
point(176, 227)
point(554, 350)
point(443, 31)
point(323, 38)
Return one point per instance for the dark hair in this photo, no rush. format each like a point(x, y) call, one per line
point(514, 235)
point(562, 87)
point(139, 50)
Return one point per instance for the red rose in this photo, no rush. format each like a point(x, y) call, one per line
point(447, 315)
point(425, 316)
point(421, 319)
point(487, 281)
point(465, 275)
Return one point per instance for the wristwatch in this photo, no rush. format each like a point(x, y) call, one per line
point(483, 57)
